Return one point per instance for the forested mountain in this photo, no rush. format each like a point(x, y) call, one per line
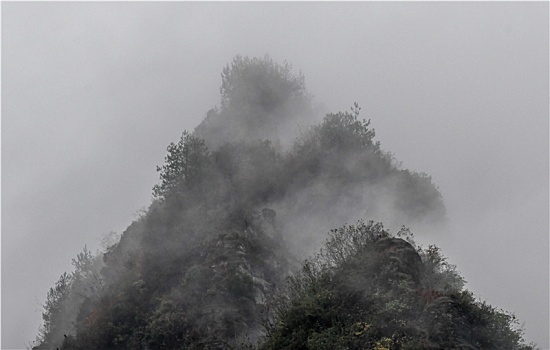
point(241, 201)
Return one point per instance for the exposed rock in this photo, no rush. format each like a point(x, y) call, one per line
point(245, 267)
point(402, 256)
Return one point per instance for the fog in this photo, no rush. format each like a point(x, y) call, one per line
point(92, 93)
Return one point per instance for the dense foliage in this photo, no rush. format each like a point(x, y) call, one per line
point(63, 300)
point(204, 266)
point(369, 290)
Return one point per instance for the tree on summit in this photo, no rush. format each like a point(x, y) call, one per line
point(260, 99)
point(260, 82)
point(344, 131)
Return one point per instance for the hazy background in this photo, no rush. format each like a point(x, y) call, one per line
point(92, 93)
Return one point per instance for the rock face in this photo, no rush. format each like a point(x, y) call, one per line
point(382, 266)
point(267, 223)
point(401, 257)
point(243, 267)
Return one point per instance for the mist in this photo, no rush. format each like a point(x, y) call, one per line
point(93, 93)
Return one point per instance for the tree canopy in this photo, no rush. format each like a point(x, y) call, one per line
point(183, 166)
point(367, 289)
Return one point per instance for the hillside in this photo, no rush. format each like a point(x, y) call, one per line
point(241, 201)
point(369, 289)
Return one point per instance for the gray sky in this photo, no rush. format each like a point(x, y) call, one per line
point(92, 93)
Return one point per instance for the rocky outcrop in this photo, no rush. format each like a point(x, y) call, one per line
point(401, 257)
point(244, 268)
